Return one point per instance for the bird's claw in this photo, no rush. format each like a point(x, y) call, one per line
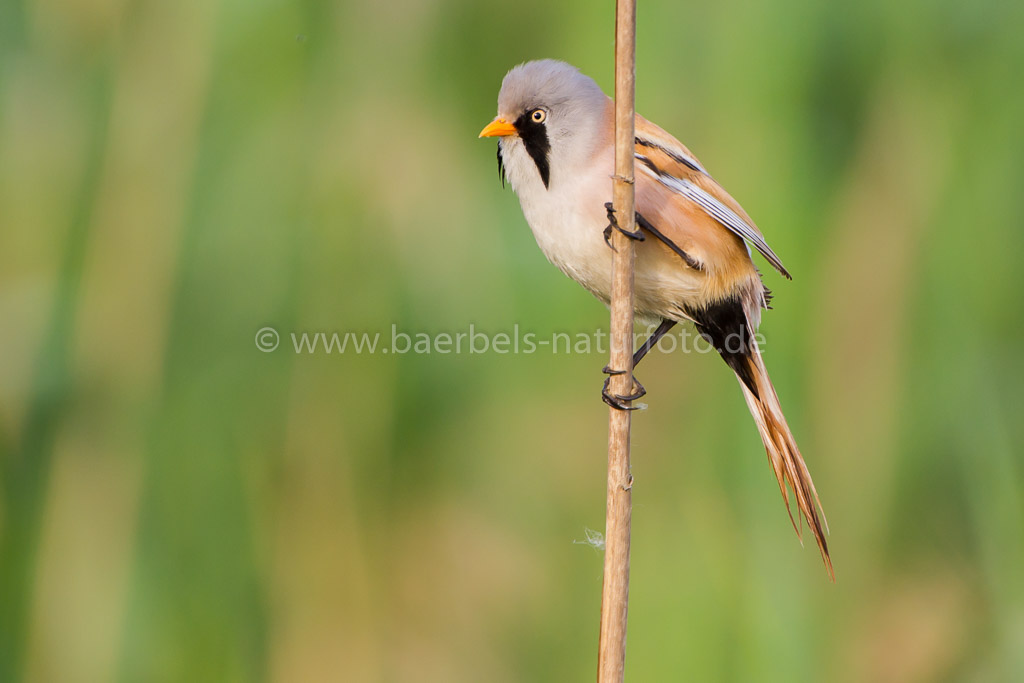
point(613, 223)
point(618, 401)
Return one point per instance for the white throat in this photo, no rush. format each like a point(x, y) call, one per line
point(567, 217)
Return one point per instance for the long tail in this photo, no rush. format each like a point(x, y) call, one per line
point(784, 454)
point(725, 325)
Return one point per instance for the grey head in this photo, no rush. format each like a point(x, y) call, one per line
point(559, 116)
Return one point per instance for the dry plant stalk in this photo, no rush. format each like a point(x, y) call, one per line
point(615, 589)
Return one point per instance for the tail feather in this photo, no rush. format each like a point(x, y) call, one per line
point(727, 326)
point(774, 457)
point(784, 455)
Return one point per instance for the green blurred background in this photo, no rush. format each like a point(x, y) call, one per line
point(177, 505)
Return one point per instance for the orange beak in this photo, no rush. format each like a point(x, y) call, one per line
point(498, 128)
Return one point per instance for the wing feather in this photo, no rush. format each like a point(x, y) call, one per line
point(668, 161)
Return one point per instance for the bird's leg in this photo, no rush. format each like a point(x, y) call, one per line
point(613, 222)
point(617, 400)
point(643, 223)
point(660, 332)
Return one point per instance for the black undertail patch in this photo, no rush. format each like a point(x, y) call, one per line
point(724, 325)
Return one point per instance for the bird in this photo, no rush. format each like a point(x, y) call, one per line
point(694, 242)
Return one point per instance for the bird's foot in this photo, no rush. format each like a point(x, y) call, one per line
point(613, 223)
point(618, 401)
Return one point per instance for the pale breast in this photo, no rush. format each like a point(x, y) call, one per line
point(568, 220)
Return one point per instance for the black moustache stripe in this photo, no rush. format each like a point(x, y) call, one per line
point(535, 138)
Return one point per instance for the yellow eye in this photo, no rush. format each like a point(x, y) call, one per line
point(538, 115)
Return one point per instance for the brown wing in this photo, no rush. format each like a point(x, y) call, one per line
point(666, 162)
point(717, 259)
